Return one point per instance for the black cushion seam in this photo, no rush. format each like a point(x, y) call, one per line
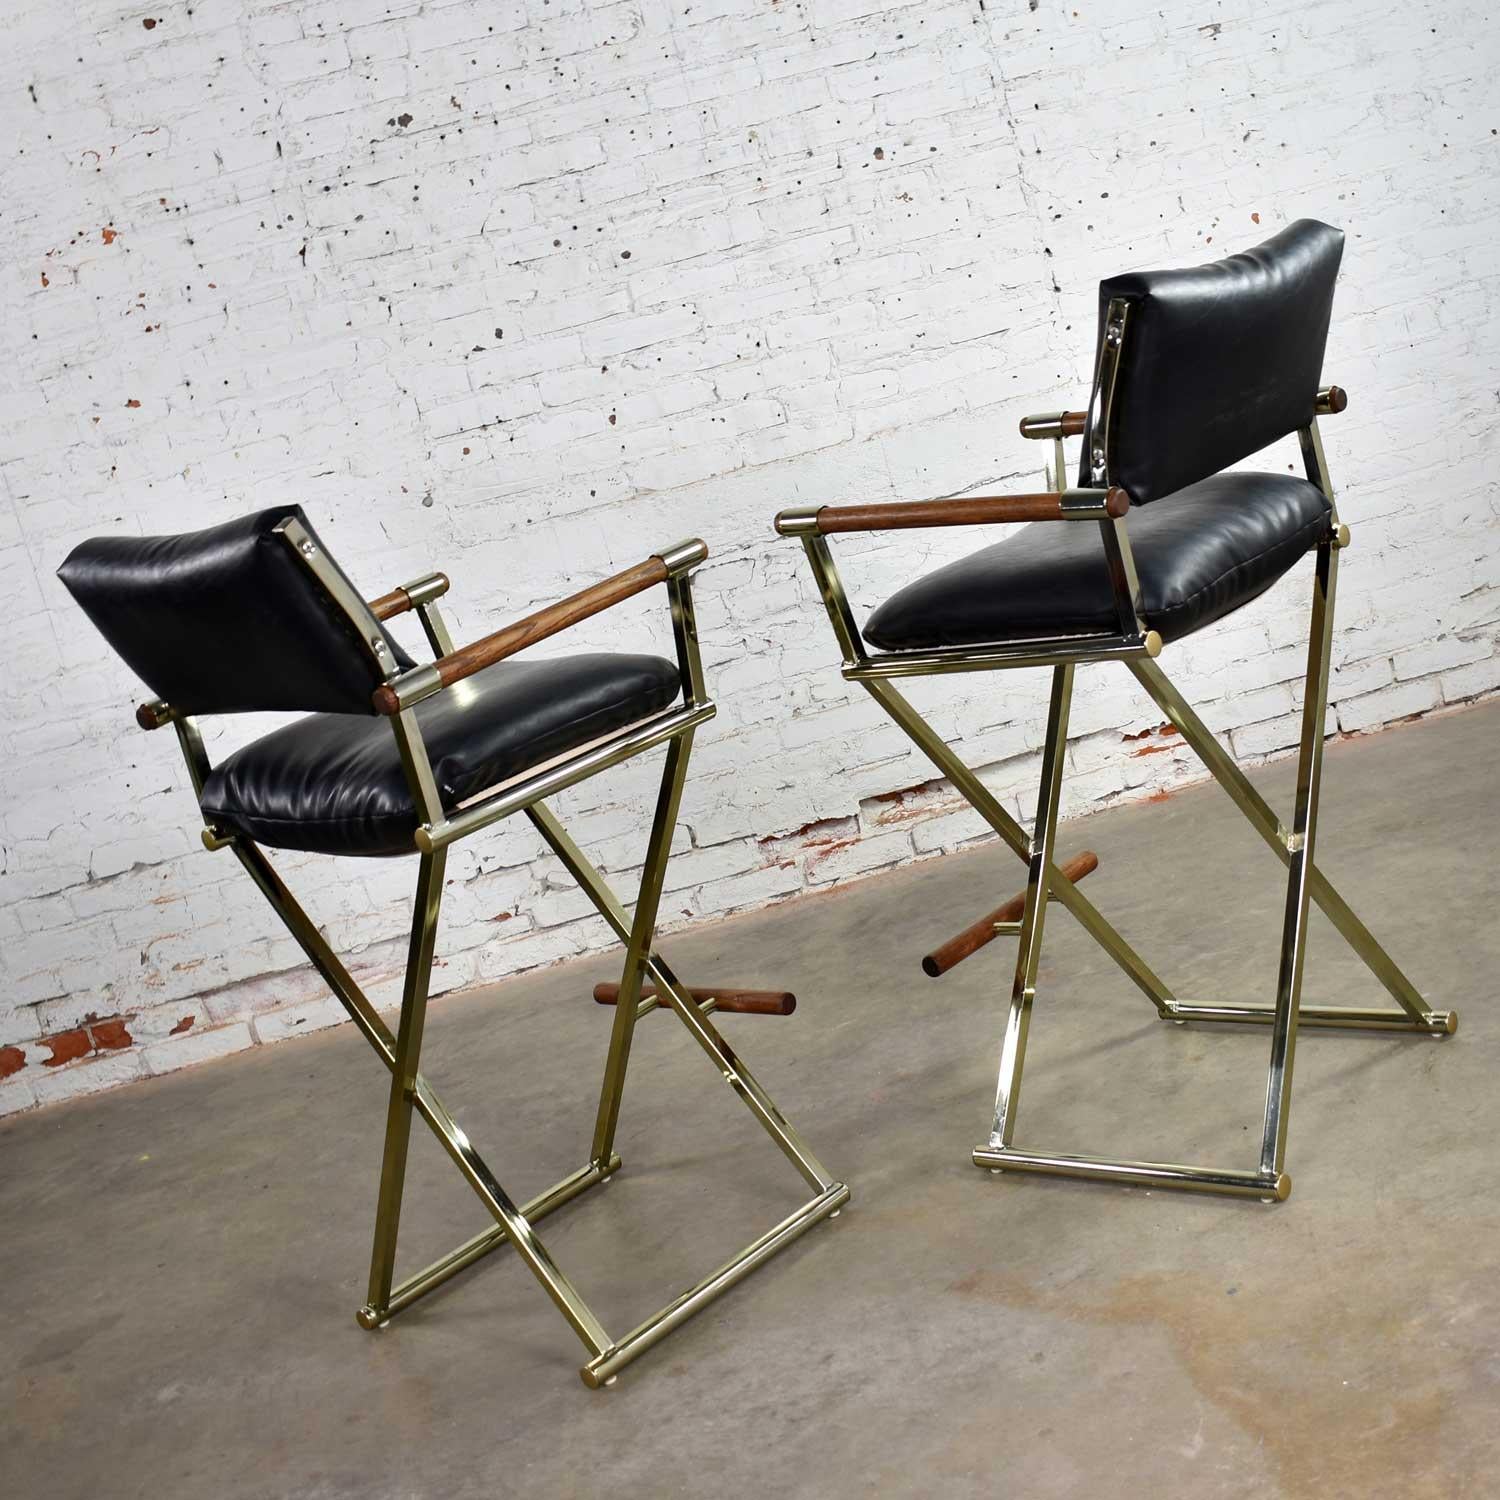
point(349, 818)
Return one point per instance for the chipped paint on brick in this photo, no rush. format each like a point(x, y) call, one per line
point(66, 1047)
point(111, 1035)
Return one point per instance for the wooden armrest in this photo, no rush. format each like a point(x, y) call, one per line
point(1055, 424)
point(978, 510)
point(409, 596)
point(547, 621)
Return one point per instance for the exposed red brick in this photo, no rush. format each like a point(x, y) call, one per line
point(825, 848)
point(67, 1046)
point(182, 1025)
point(12, 1060)
point(112, 1034)
point(1161, 732)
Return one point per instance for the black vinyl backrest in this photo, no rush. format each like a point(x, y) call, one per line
point(1218, 360)
point(227, 620)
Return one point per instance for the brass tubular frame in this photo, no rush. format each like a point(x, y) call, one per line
point(404, 1081)
point(518, 796)
point(1034, 913)
point(1138, 648)
point(401, 1052)
point(1038, 653)
point(735, 1073)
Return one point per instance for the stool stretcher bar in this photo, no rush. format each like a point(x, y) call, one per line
point(464, 1256)
point(1269, 1187)
point(1329, 1017)
point(602, 1368)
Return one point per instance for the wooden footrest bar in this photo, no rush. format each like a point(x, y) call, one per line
point(735, 1002)
point(972, 939)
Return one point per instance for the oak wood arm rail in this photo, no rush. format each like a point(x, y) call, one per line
point(735, 1002)
point(410, 596)
point(391, 697)
point(976, 510)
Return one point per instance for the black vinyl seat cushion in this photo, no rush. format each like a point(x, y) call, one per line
point(1199, 554)
point(333, 783)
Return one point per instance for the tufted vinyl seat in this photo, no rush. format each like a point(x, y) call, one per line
point(334, 783)
point(1199, 554)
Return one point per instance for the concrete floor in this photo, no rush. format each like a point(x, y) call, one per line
point(181, 1261)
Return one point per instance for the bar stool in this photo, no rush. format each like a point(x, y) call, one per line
point(398, 758)
point(1196, 370)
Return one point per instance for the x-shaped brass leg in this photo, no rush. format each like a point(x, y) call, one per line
point(1305, 885)
point(411, 1091)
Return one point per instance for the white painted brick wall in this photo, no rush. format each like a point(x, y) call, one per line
point(525, 289)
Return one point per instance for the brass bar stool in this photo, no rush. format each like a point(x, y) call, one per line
point(1196, 370)
point(396, 758)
